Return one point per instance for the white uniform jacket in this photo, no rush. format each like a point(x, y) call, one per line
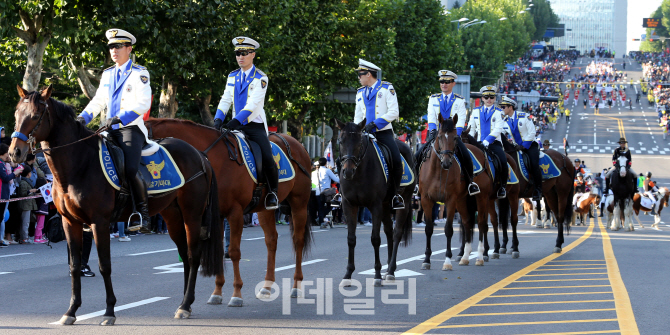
point(520, 128)
point(247, 98)
point(438, 103)
point(487, 123)
point(380, 106)
point(129, 97)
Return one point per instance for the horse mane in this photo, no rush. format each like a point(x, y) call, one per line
point(507, 146)
point(158, 121)
point(66, 113)
point(351, 127)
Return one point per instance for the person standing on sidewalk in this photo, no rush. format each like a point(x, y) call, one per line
point(5, 177)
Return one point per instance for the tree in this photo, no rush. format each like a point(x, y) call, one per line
point(543, 18)
point(31, 21)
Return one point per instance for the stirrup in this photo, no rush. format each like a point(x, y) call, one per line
point(473, 189)
point(336, 202)
point(398, 197)
point(136, 227)
point(416, 189)
point(502, 193)
point(276, 203)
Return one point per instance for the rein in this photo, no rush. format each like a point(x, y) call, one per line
point(356, 159)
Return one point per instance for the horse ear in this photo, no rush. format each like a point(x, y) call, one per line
point(362, 124)
point(22, 93)
point(440, 119)
point(339, 124)
point(46, 93)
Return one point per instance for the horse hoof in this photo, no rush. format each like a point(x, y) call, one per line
point(515, 254)
point(509, 252)
point(479, 262)
point(447, 267)
point(345, 283)
point(486, 258)
point(215, 300)
point(182, 314)
point(557, 250)
point(464, 261)
point(627, 229)
point(108, 320)
point(503, 250)
point(547, 226)
point(495, 255)
point(390, 278)
point(378, 282)
point(425, 266)
point(296, 293)
point(67, 320)
point(263, 294)
point(538, 226)
point(458, 258)
point(235, 302)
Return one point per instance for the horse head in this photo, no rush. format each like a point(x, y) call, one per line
point(350, 141)
point(622, 166)
point(665, 195)
point(31, 124)
point(444, 144)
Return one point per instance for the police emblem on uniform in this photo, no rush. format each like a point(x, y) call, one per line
point(494, 119)
point(113, 33)
point(144, 79)
point(520, 124)
point(392, 91)
point(264, 83)
point(129, 88)
point(240, 39)
point(379, 95)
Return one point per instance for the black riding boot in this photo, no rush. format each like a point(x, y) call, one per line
point(271, 199)
point(398, 202)
point(139, 189)
point(601, 210)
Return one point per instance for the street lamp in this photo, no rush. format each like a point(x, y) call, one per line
point(503, 18)
point(461, 20)
point(521, 12)
point(473, 23)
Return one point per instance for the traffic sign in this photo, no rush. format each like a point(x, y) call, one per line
point(650, 22)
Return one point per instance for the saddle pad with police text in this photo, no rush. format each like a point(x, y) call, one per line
point(547, 166)
point(476, 166)
point(407, 173)
point(165, 175)
point(284, 166)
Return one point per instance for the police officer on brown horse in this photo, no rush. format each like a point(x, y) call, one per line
point(125, 91)
point(245, 92)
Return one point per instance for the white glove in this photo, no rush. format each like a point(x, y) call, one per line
point(485, 143)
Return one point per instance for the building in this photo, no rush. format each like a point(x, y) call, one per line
point(591, 24)
point(449, 4)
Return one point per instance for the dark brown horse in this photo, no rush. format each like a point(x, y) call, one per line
point(557, 192)
point(84, 197)
point(235, 193)
point(440, 180)
point(363, 184)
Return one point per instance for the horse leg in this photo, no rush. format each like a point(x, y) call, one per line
point(216, 298)
point(177, 231)
point(267, 221)
point(483, 231)
point(105, 267)
point(75, 238)
point(467, 233)
point(448, 232)
point(351, 215)
point(236, 222)
point(514, 218)
point(494, 221)
point(393, 237)
point(300, 228)
point(427, 205)
point(376, 240)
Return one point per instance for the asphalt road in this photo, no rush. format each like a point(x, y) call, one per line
point(603, 282)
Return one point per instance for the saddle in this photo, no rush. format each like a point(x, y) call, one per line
point(496, 164)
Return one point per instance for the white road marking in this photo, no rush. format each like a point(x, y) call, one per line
point(303, 263)
point(21, 254)
point(117, 308)
point(4, 273)
point(406, 273)
point(170, 268)
point(152, 252)
point(254, 238)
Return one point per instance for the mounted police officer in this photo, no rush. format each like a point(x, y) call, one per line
point(125, 92)
point(245, 92)
point(622, 150)
point(522, 129)
point(487, 123)
point(449, 104)
point(377, 104)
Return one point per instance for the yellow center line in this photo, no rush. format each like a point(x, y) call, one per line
point(545, 294)
point(624, 310)
point(580, 333)
point(525, 323)
point(577, 260)
point(622, 132)
point(568, 274)
point(541, 312)
point(544, 302)
point(435, 321)
point(574, 264)
point(561, 280)
point(571, 269)
point(546, 287)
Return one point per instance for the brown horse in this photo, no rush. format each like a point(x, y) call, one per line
point(584, 207)
point(664, 195)
point(557, 192)
point(440, 180)
point(235, 193)
point(84, 197)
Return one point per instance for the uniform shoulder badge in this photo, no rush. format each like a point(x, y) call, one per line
point(109, 68)
point(521, 114)
point(436, 95)
point(264, 83)
point(392, 91)
point(138, 67)
point(261, 73)
point(386, 83)
point(458, 96)
point(233, 73)
point(360, 88)
point(144, 79)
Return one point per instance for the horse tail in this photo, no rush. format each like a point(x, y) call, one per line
point(568, 210)
point(503, 213)
point(406, 237)
point(471, 203)
point(211, 257)
point(307, 237)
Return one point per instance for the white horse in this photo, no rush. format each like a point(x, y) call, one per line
point(627, 211)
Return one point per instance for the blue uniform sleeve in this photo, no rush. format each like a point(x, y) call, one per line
point(243, 116)
point(490, 138)
point(459, 130)
point(381, 123)
point(220, 115)
point(432, 126)
point(526, 144)
point(87, 117)
point(128, 117)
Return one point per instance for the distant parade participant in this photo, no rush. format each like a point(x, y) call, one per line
point(245, 93)
point(522, 132)
point(487, 123)
point(576, 100)
point(377, 104)
point(449, 104)
point(649, 191)
point(546, 145)
point(126, 94)
point(622, 150)
point(580, 189)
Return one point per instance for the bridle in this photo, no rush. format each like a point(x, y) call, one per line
point(355, 159)
point(30, 139)
point(442, 153)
